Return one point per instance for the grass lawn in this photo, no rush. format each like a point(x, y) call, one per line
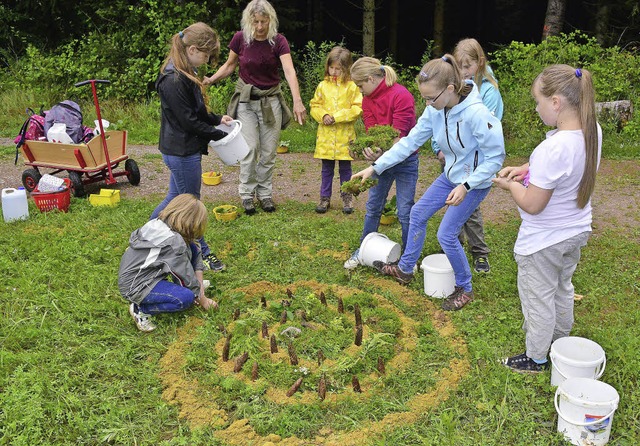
point(75, 370)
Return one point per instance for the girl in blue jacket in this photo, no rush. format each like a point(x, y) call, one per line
point(470, 137)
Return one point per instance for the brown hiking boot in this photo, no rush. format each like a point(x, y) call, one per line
point(347, 200)
point(324, 205)
point(458, 299)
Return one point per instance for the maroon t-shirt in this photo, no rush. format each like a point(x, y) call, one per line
point(260, 61)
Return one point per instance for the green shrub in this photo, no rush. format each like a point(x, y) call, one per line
point(516, 66)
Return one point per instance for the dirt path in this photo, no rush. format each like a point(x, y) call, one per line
point(297, 177)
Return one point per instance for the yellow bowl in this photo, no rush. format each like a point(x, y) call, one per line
point(282, 149)
point(211, 178)
point(225, 212)
point(388, 219)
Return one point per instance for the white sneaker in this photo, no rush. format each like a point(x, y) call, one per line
point(142, 320)
point(353, 261)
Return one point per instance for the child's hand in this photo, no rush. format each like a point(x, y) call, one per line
point(226, 120)
point(364, 174)
point(328, 120)
point(514, 173)
point(372, 154)
point(456, 196)
point(207, 303)
point(502, 182)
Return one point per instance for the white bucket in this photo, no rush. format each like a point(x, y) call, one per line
point(232, 148)
point(14, 204)
point(585, 409)
point(575, 357)
point(439, 280)
point(376, 246)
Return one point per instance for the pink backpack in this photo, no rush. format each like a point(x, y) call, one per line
point(31, 130)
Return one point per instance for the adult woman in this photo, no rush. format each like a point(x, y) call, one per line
point(259, 51)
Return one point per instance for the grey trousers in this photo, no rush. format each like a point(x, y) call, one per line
point(256, 169)
point(546, 293)
point(473, 229)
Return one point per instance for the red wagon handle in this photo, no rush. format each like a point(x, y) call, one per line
point(110, 178)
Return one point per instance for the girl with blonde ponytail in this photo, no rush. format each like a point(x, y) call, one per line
point(553, 192)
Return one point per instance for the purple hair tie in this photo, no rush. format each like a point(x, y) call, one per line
point(181, 34)
point(445, 58)
point(578, 73)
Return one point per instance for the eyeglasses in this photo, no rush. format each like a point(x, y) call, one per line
point(432, 100)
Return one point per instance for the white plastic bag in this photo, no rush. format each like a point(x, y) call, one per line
point(105, 126)
point(58, 133)
point(49, 183)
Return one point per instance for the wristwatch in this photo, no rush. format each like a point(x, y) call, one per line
point(466, 186)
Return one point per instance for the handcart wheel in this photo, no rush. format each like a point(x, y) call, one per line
point(77, 188)
point(133, 173)
point(30, 179)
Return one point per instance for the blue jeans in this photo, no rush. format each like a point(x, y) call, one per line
point(452, 221)
point(405, 175)
point(169, 297)
point(185, 178)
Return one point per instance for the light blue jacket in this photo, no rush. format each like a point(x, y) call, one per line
point(468, 134)
point(491, 97)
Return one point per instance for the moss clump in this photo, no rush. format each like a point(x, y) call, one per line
point(379, 136)
point(357, 186)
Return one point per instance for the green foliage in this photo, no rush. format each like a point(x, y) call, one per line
point(356, 186)
point(516, 66)
point(378, 137)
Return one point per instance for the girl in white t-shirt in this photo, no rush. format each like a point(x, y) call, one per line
point(553, 192)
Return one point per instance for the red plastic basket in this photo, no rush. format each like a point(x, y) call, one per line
point(49, 201)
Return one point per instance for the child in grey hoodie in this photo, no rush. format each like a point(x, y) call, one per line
point(161, 270)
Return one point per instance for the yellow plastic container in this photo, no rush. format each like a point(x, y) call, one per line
point(106, 197)
point(225, 212)
point(211, 178)
point(388, 219)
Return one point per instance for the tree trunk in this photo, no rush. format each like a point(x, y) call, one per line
point(602, 23)
point(393, 27)
point(314, 19)
point(438, 28)
point(554, 18)
point(369, 27)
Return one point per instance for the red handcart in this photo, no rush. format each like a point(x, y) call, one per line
point(87, 163)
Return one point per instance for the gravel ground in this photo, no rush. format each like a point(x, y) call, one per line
point(297, 177)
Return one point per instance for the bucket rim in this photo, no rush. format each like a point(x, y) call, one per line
point(237, 127)
point(577, 401)
point(435, 269)
point(553, 352)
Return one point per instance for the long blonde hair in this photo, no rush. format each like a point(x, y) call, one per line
point(576, 86)
point(444, 71)
point(187, 216)
point(366, 67)
point(200, 35)
point(471, 49)
point(255, 7)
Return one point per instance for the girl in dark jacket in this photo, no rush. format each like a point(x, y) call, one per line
point(186, 125)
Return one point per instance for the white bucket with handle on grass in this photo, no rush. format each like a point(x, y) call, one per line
point(232, 148)
point(376, 246)
point(439, 280)
point(585, 409)
point(576, 357)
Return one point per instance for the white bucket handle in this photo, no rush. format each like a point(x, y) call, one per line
point(581, 423)
point(603, 365)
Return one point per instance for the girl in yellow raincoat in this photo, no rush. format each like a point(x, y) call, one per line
point(336, 105)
